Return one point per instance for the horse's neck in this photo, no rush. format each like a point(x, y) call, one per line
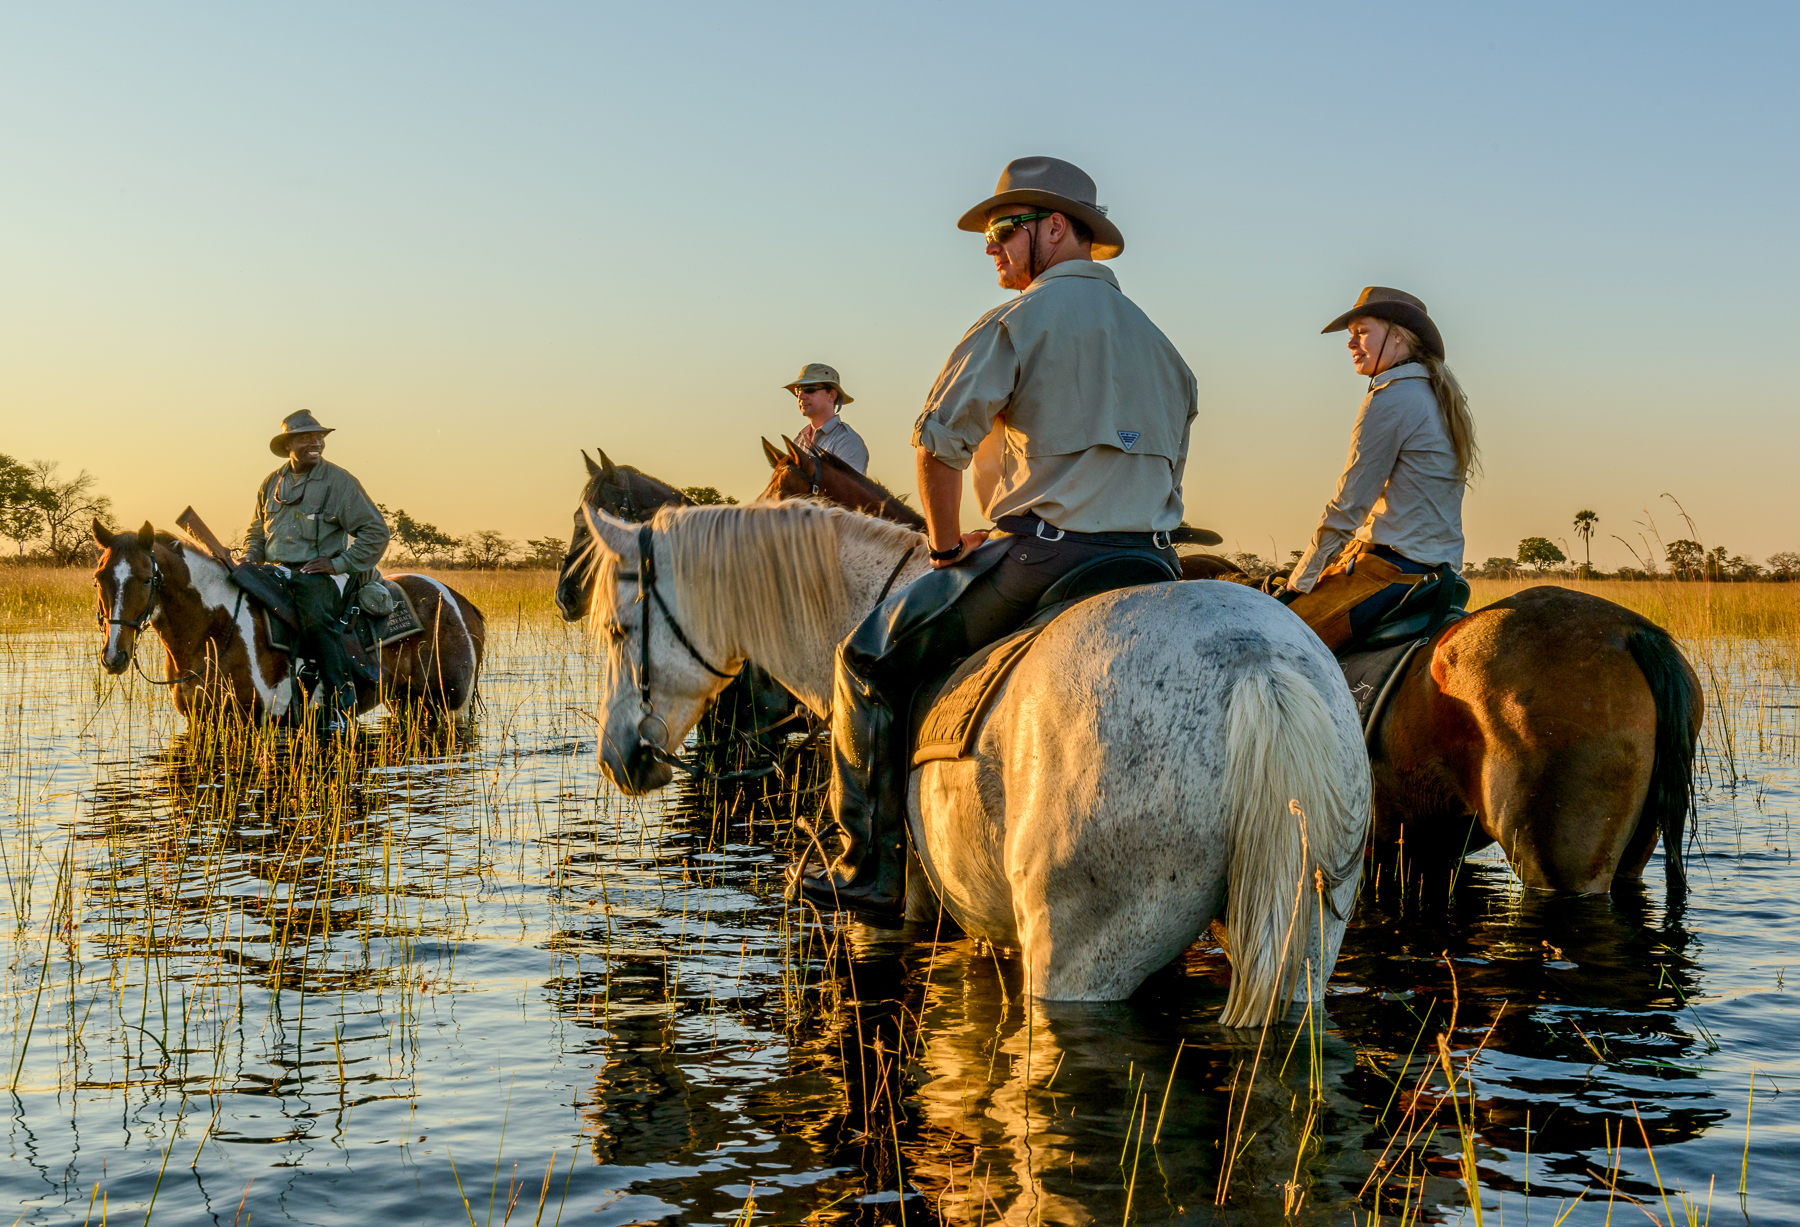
point(191, 618)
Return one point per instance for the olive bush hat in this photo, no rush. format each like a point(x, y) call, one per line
point(818, 372)
point(1397, 307)
point(1052, 184)
point(301, 423)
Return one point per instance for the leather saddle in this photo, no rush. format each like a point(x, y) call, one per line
point(1374, 664)
point(947, 712)
point(364, 634)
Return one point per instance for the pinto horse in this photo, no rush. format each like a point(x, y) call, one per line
point(217, 641)
point(802, 472)
point(1159, 755)
point(1559, 725)
point(618, 490)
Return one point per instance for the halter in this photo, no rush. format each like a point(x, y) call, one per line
point(651, 729)
point(629, 504)
point(818, 476)
point(156, 583)
point(137, 627)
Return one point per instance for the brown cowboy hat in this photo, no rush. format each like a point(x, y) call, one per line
point(1052, 184)
point(1396, 307)
point(301, 423)
point(819, 373)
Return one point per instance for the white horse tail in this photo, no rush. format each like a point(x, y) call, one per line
point(1297, 834)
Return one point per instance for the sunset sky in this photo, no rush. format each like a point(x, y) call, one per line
point(476, 238)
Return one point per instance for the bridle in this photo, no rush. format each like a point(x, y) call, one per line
point(151, 608)
point(652, 730)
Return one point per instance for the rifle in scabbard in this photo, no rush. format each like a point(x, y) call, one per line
point(245, 575)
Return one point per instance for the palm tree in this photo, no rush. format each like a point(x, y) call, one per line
point(1584, 528)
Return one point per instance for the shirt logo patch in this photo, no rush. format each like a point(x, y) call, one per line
point(1129, 438)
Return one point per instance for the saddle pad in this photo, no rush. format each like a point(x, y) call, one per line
point(949, 728)
point(403, 623)
point(1368, 672)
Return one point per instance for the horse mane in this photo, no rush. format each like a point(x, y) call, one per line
point(893, 507)
point(773, 582)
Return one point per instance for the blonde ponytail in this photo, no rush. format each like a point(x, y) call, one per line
point(1453, 402)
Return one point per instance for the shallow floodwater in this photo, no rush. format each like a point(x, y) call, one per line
point(459, 979)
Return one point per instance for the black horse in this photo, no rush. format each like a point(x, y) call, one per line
point(618, 490)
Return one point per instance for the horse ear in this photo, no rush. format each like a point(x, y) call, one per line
point(793, 450)
point(588, 460)
point(615, 536)
point(102, 535)
point(773, 455)
point(146, 537)
point(608, 467)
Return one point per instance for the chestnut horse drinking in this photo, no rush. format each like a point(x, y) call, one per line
point(217, 640)
point(1559, 725)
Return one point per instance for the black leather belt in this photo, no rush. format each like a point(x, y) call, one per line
point(1029, 525)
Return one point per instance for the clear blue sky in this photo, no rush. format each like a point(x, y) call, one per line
point(478, 237)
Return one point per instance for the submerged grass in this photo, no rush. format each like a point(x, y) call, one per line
point(231, 910)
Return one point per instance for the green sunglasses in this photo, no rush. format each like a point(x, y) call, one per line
point(1004, 228)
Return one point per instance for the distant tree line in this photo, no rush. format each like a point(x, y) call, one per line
point(1682, 559)
point(48, 512)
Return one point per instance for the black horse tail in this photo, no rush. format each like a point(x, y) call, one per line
point(1679, 707)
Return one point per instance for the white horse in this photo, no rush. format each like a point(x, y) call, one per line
point(1161, 754)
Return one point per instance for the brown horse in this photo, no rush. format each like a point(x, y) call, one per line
point(1556, 724)
point(801, 472)
point(217, 641)
point(621, 491)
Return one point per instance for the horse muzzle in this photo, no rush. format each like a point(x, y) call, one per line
point(637, 771)
point(115, 657)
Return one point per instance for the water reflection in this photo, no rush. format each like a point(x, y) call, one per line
point(329, 981)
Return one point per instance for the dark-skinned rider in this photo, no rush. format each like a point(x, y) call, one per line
point(315, 521)
point(1073, 410)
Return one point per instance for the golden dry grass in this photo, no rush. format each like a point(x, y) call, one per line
point(62, 598)
point(1689, 611)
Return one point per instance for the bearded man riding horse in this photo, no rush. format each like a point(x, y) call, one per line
point(1074, 411)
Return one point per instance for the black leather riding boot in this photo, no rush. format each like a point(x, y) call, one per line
point(868, 799)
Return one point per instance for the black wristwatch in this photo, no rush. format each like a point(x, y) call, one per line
point(945, 555)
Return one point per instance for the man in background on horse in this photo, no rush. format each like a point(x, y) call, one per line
point(1073, 410)
point(821, 398)
point(315, 521)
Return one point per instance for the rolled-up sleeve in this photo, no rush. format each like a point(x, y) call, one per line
point(359, 517)
point(974, 387)
point(1374, 446)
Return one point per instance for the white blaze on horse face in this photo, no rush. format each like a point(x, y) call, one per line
point(121, 575)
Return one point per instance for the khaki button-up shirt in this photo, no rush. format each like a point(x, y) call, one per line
point(1401, 485)
point(322, 513)
point(837, 438)
point(1070, 403)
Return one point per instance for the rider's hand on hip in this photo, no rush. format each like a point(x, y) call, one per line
point(319, 566)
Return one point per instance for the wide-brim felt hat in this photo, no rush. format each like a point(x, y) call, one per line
point(818, 372)
point(1050, 183)
point(301, 423)
point(1397, 307)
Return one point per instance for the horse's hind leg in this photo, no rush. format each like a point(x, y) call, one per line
point(1566, 814)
